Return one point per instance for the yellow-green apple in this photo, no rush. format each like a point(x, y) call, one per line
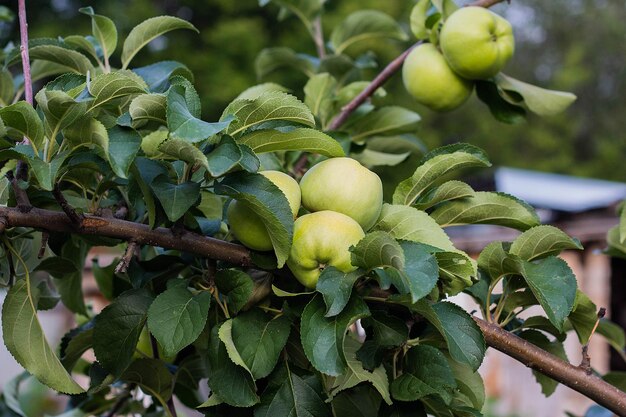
point(430, 80)
point(477, 43)
point(248, 227)
point(322, 239)
point(345, 186)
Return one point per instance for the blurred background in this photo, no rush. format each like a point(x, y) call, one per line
point(572, 45)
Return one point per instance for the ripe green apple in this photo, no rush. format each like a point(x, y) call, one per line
point(320, 239)
point(248, 227)
point(476, 42)
point(345, 186)
point(430, 80)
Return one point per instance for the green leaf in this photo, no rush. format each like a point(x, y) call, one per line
point(225, 334)
point(583, 317)
point(418, 19)
point(57, 266)
point(357, 374)
point(83, 44)
point(103, 30)
point(159, 74)
point(110, 86)
point(426, 372)
point(554, 285)
point(182, 122)
point(7, 88)
point(148, 108)
point(449, 190)
point(184, 151)
point(153, 377)
point(266, 200)
point(124, 144)
point(445, 7)
point(68, 58)
point(360, 401)
point(471, 389)
point(387, 330)
point(319, 94)
point(60, 110)
point(408, 223)
point(46, 172)
point(255, 91)
point(538, 100)
point(75, 343)
point(502, 110)
point(176, 318)
point(117, 329)
point(148, 30)
point(236, 285)
point(615, 246)
point(434, 166)
point(296, 396)
point(24, 119)
point(384, 121)
point(305, 10)
point(465, 341)
point(542, 241)
point(275, 105)
point(300, 139)
point(232, 383)
point(259, 339)
point(271, 59)
point(151, 142)
point(548, 385)
point(336, 288)
point(371, 158)
point(378, 249)
point(322, 338)
point(88, 132)
point(497, 262)
point(175, 199)
point(542, 323)
point(26, 341)
point(487, 208)
point(225, 157)
point(365, 25)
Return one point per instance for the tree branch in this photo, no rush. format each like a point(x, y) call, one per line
point(28, 83)
point(538, 359)
point(55, 221)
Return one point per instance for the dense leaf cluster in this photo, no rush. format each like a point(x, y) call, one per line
point(132, 141)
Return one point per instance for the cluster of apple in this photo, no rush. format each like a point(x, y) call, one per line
point(475, 45)
point(343, 199)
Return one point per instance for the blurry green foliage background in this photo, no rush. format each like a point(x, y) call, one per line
point(573, 45)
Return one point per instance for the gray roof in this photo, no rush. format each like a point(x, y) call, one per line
point(559, 192)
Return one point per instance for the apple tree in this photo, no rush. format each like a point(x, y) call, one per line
point(260, 257)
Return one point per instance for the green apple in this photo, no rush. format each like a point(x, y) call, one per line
point(476, 42)
point(248, 227)
point(430, 80)
point(321, 239)
point(345, 186)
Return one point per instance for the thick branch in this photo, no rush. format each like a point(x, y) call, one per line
point(538, 359)
point(55, 221)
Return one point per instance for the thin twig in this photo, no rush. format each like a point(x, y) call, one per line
point(28, 83)
point(586, 361)
point(23, 202)
point(122, 266)
point(77, 219)
point(44, 243)
point(318, 37)
point(121, 401)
